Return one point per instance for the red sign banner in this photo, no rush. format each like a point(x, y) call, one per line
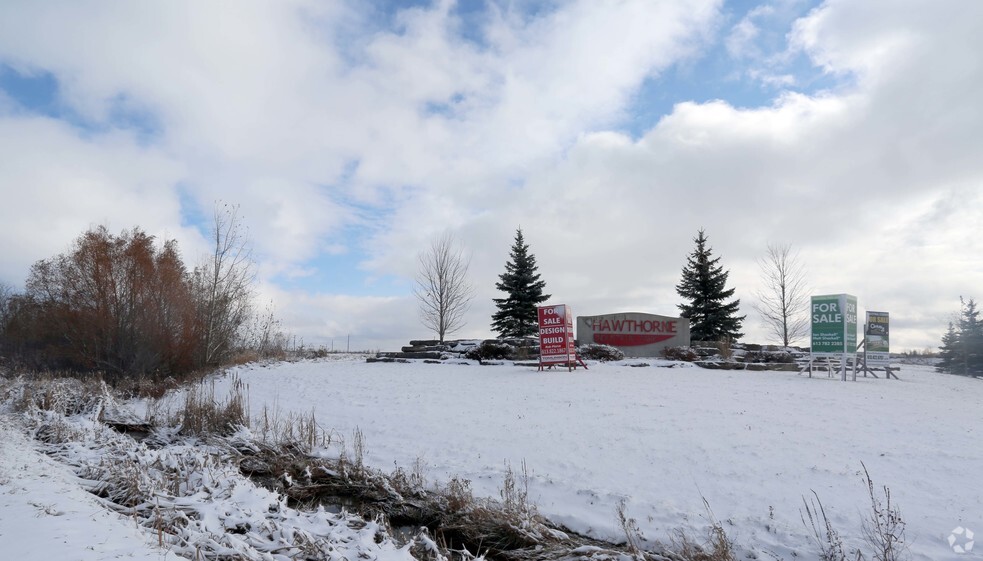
point(556, 342)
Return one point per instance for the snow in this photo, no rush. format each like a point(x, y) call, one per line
point(659, 439)
point(45, 514)
point(753, 444)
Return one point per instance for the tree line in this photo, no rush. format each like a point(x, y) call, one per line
point(125, 304)
point(782, 302)
point(445, 292)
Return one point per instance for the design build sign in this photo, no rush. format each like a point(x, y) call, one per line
point(636, 334)
point(556, 342)
point(878, 347)
point(834, 324)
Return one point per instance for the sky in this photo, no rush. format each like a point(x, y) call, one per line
point(350, 134)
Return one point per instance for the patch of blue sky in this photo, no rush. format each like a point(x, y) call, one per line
point(35, 92)
point(449, 109)
point(746, 74)
point(472, 15)
point(339, 269)
point(127, 114)
point(192, 213)
point(38, 93)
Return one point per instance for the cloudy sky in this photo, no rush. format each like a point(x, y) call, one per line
point(351, 133)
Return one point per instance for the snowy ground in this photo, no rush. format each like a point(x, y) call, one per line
point(45, 514)
point(661, 439)
point(753, 444)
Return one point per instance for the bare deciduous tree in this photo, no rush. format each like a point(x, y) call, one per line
point(6, 294)
point(6, 310)
point(783, 301)
point(223, 285)
point(442, 286)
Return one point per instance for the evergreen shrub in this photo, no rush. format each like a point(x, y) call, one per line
point(491, 350)
point(680, 353)
point(593, 351)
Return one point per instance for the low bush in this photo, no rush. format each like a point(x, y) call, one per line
point(769, 357)
point(680, 353)
point(593, 351)
point(491, 350)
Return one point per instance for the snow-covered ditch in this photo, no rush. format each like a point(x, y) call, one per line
point(674, 446)
point(186, 495)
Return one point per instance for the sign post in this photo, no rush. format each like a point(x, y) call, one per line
point(877, 350)
point(556, 342)
point(877, 347)
point(834, 329)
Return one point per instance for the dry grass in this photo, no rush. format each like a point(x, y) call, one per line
point(409, 484)
point(203, 414)
point(629, 526)
point(826, 537)
point(63, 396)
point(302, 431)
point(515, 494)
point(716, 546)
point(884, 530)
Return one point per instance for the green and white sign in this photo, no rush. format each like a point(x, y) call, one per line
point(834, 325)
point(878, 333)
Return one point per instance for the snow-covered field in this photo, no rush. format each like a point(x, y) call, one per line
point(753, 444)
point(661, 439)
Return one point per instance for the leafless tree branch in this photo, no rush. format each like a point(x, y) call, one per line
point(783, 301)
point(224, 285)
point(442, 286)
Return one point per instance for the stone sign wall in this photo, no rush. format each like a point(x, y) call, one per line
point(635, 333)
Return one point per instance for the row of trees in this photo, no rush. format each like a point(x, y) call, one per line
point(445, 293)
point(124, 304)
point(962, 345)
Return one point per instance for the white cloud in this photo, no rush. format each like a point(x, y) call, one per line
point(57, 184)
point(741, 40)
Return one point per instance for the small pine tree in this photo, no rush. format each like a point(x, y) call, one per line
point(962, 344)
point(949, 350)
point(971, 337)
point(704, 287)
point(516, 315)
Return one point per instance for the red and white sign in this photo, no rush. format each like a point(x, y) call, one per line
point(621, 332)
point(635, 333)
point(556, 343)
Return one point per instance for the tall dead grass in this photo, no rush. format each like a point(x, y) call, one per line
point(882, 528)
point(715, 546)
point(203, 413)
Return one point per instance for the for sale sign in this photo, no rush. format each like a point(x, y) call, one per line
point(834, 325)
point(556, 344)
point(877, 336)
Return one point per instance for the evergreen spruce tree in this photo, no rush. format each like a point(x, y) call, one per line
point(516, 315)
point(971, 340)
point(962, 345)
point(949, 351)
point(704, 287)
